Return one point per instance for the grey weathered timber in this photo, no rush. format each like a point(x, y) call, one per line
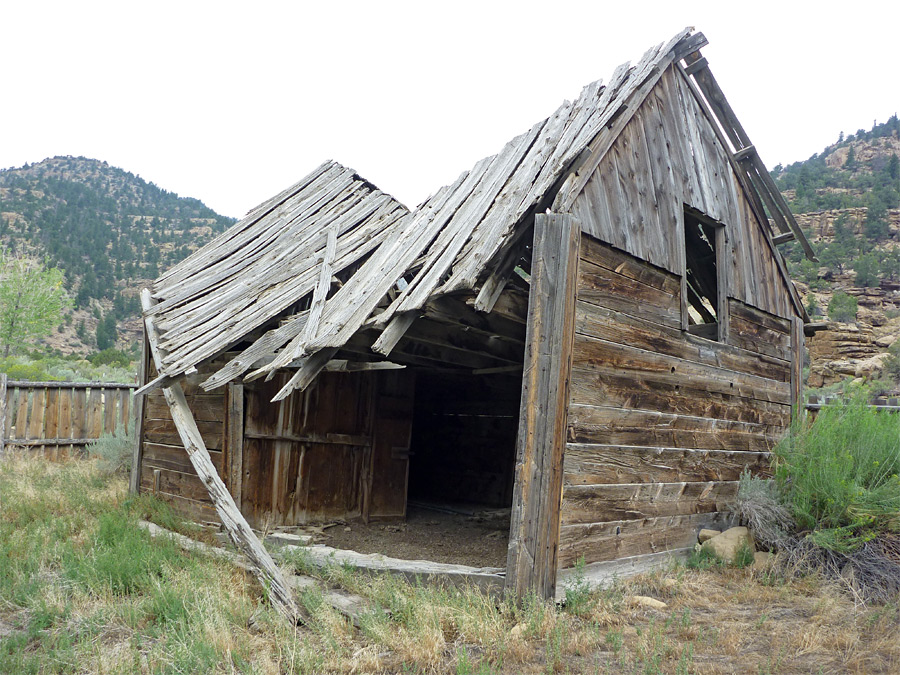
point(797, 334)
point(534, 530)
point(134, 482)
point(2, 412)
point(229, 513)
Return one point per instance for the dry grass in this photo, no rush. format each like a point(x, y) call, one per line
point(60, 523)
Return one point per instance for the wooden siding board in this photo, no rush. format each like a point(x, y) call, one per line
point(583, 504)
point(623, 538)
point(594, 464)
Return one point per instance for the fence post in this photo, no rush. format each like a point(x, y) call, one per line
point(2, 413)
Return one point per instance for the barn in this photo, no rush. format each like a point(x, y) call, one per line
point(593, 328)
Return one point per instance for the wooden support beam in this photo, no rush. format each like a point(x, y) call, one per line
point(238, 529)
point(744, 153)
point(813, 327)
point(534, 531)
point(3, 430)
point(783, 238)
point(689, 45)
point(134, 483)
point(157, 382)
point(395, 330)
point(697, 65)
point(797, 365)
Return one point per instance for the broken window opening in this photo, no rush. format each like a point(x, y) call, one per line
point(701, 274)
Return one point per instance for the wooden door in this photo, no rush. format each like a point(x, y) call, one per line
point(306, 458)
point(393, 408)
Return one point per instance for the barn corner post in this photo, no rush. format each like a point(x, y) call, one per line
point(243, 537)
point(540, 446)
point(137, 424)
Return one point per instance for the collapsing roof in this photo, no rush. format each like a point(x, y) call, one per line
point(279, 262)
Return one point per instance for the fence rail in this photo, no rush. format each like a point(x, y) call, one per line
point(59, 418)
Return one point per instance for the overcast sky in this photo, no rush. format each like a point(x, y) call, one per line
point(232, 102)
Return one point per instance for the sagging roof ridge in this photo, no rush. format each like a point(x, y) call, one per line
point(448, 242)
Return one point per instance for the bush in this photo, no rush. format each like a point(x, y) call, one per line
point(110, 357)
point(840, 476)
point(114, 450)
point(842, 307)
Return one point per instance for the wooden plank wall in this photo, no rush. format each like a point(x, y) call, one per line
point(668, 155)
point(61, 418)
point(165, 468)
point(660, 422)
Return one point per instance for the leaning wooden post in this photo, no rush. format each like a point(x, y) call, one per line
point(540, 447)
point(238, 529)
point(2, 413)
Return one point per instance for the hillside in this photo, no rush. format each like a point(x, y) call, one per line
point(847, 200)
point(110, 231)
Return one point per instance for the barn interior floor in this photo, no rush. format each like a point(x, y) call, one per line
point(467, 536)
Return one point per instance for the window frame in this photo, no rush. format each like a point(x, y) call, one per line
point(720, 248)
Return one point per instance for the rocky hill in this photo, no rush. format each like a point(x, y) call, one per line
point(847, 200)
point(110, 231)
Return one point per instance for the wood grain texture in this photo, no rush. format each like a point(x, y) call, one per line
point(534, 531)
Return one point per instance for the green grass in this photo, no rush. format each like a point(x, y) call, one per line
point(840, 476)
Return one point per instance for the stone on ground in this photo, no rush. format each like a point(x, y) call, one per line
point(728, 543)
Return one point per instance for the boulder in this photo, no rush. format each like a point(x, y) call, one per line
point(706, 535)
point(728, 543)
point(646, 601)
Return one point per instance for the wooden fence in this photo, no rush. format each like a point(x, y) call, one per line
point(59, 418)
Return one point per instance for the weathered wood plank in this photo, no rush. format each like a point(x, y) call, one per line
point(596, 424)
point(165, 432)
point(599, 322)
point(622, 538)
point(534, 532)
point(174, 457)
point(235, 524)
point(594, 353)
point(600, 286)
point(610, 387)
point(234, 442)
point(602, 503)
point(587, 464)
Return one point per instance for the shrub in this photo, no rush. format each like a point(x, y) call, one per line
point(840, 476)
point(110, 357)
point(114, 450)
point(842, 307)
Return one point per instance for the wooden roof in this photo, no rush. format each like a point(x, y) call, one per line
point(463, 238)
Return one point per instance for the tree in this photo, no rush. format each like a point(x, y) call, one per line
point(866, 268)
point(32, 300)
point(106, 332)
point(850, 162)
point(842, 307)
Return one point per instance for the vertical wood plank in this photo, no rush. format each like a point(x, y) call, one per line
point(22, 412)
point(3, 409)
point(797, 365)
point(36, 416)
point(134, 485)
point(51, 420)
point(234, 442)
point(110, 403)
point(95, 413)
point(64, 423)
point(534, 530)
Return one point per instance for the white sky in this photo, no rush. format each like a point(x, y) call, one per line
point(232, 102)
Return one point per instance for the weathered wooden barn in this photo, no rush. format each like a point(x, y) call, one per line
point(593, 327)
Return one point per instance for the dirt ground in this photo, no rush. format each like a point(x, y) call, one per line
point(473, 537)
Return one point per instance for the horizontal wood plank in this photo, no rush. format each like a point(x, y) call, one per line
point(621, 538)
point(600, 286)
point(597, 464)
point(164, 431)
point(163, 456)
point(596, 424)
point(601, 503)
point(594, 353)
point(610, 387)
point(613, 326)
